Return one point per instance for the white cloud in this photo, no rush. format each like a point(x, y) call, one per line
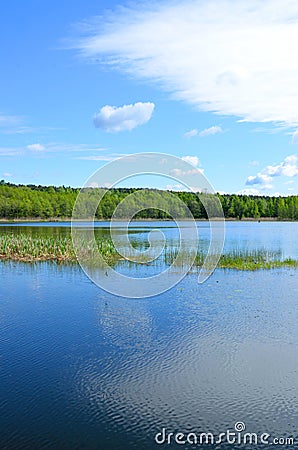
point(10, 151)
point(215, 129)
point(211, 130)
point(15, 125)
point(287, 168)
point(61, 147)
point(230, 58)
point(194, 160)
point(36, 147)
point(181, 173)
point(182, 188)
point(9, 121)
point(7, 174)
point(263, 180)
point(295, 137)
point(175, 187)
point(127, 117)
point(249, 191)
point(101, 157)
point(53, 147)
point(254, 163)
point(94, 184)
point(191, 133)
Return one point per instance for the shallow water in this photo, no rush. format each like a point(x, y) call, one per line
point(272, 236)
point(83, 369)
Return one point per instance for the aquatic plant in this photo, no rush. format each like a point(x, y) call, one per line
point(23, 247)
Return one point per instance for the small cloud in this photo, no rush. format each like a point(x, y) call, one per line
point(253, 163)
point(36, 147)
point(21, 130)
point(182, 188)
point(210, 131)
point(7, 174)
point(291, 189)
point(287, 168)
point(191, 133)
point(249, 191)
point(175, 187)
point(194, 160)
point(101, 157)
point(13, 125)
point(127, 117)
point(295, 137)
point(261, 179)
point(181, 173)
point(60, 147)
point(71, 148)
point(94, 184)
point(9, 121)
point(11, 151)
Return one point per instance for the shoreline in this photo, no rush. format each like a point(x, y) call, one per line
point(69, 219)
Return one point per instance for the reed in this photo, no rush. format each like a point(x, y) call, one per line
point(233, 259)
point(23, 247)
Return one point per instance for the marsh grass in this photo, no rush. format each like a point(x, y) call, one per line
point(255, 259)
point(234, 259)
point(23, 247)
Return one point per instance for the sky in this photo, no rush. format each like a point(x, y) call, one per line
point(214, 82)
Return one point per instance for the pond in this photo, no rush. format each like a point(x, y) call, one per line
point(83, 369)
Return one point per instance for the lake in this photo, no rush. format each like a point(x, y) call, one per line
point(83, 369)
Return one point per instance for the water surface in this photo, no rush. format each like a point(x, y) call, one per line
point(272, 236)
point(82, 369)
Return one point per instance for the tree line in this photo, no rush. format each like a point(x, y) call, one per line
point(46, 202)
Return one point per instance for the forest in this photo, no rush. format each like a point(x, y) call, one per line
point(52, 202)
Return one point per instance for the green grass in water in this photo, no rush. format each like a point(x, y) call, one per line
point(21, 247)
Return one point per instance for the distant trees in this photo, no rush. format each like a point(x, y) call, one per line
point(45, 202)
point(35, 201)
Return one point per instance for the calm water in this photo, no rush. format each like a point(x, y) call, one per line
point(273, 236)
point(82, 369)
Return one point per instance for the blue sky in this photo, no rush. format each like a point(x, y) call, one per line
point(83, 83)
